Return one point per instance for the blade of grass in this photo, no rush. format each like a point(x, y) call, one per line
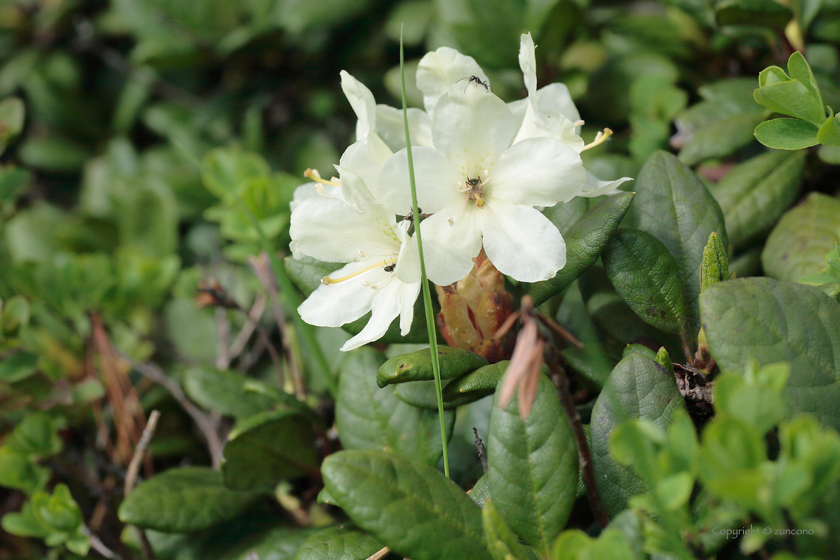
point(427, 296)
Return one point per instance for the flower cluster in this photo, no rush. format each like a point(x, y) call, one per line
point(482, 168)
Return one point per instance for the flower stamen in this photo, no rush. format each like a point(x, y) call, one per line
point(315, 176)
point(326, 280)
point(600, 138)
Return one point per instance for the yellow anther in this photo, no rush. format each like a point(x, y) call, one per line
point(326, 280)
point(315, 176)
point(600, 138)
point(479, 201)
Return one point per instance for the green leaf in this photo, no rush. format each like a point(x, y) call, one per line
point(18, 367)
point(584, 242)
point(184, 499)
point(674, 206)
point(417, 366)
point(730, 453)
point(767, 13)
point(307, 272)
point(533, 466)
point(338, 543)
point(421, 394)
point(266, 448)
point(475, 385)
point(52, 153)
point(410, 507)
point(224, 392)
point(637, 388)
point(19, 471)
point(829, 133)
point(787, 134)
point(758, 406)
point(36, 436)
point(12, 112)
point(501, 541)
point(770, 321)
point(368, 417)
point(754, 194)
point(645, 275)
point(799, 243)
point(480, 492)
point(721, 123)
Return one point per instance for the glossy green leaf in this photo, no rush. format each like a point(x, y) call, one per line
point(480, 492)
point(266, 448)
point(533, 466)
point(421, 394)
point(338, 543)
point(829, 133)
point(787, 134)
point(674, 206)
point(752, 12)
point(720, 124)
point(584, 242)
point(224, 392)
point(637, 388)
point(184, 499)
point(307, 272)
point(501, 541)
point(417, 366)
point(368, 417)
point(412, 508)
point(475, 385)
point(645, 275)
point(754, 194)
point(771, 321)
point(799, 243)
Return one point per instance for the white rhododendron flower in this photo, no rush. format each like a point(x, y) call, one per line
point(482, 188)
point(483, 167)
point(376, 247)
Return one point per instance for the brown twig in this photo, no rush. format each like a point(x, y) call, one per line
point(238, 344)
point(378, 555)
point(223, 353)
point(206, 426)
point(97, 545)
point(266, 278)
point(585, 454)
point(131, 476)
point(555, 327)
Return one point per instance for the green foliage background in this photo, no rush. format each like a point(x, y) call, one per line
point(142, 139)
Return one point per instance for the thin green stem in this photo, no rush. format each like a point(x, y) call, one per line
point(427, 295)
point(287, 289)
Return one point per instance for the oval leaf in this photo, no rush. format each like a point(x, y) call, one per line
point(266, 448)
point(368, 417)
point(584, 242)
point(787, 134)
point(417, 366)
point(410, 507)
point(181, 500)
point(533, 466)
point(797, 246)
point(754, 194)
point(674, 206)
point(638, 388)
point(224, 392)
point(501, 541)
point(645, 275)
point(475, 385)
point(770, 321)
point(338, 543)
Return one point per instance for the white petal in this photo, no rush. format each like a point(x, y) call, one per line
point(449, 249)
point(365, 158)
point(408, 295)
point(556, 98)
point(336, 304)
point(435, 178)
point(408, 263)
point(518, 109)
point(536, 172)
point(439, 70)
point(472, 127)
point(528, 62)
point(313, 190)
point(596, 187)
point(522, 243)
point(331, 230)
point(385, 307)
point(363, 103)
point(390, 127)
